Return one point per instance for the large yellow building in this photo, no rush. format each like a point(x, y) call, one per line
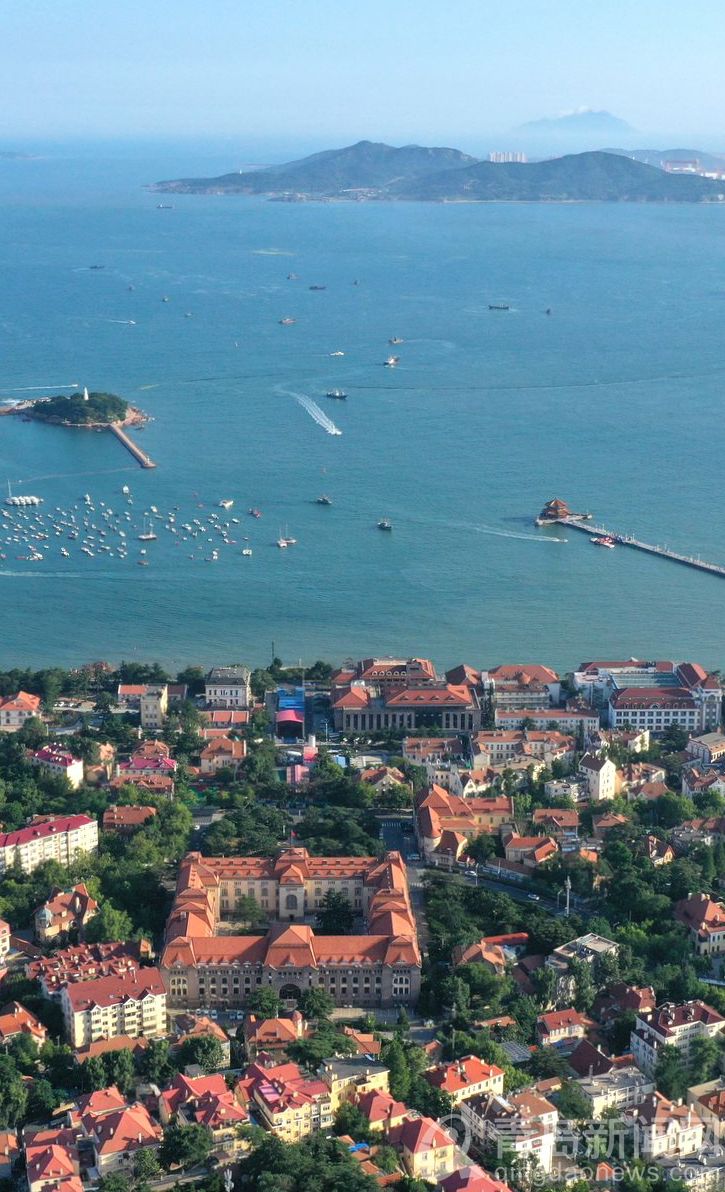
point(378, 968)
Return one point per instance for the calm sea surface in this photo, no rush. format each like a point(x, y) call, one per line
point(614, 402)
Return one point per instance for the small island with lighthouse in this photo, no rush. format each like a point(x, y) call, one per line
point(91, 410)
point(88, 411)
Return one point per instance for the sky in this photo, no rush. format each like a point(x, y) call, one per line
point(323, 72)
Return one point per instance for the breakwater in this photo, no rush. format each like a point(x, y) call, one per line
point(140, 456)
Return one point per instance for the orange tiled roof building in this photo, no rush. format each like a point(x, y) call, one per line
point(378, 968)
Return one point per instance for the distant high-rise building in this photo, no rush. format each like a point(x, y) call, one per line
point(503, 155)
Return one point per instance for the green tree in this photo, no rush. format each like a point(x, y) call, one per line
point(43, 1100)
point(109, 925)
point(205, 1051)
point(335, 916)
point(264, 1002)
point(705, 1055)
point(572, 1103)
point(670, 1073)
point(185, 1146)
point(316, 1003)
point(120, 1069)
point(115, 1182)
point(146, 1164)
point(13, 1093)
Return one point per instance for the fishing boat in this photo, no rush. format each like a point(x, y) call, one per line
point(391, 361)
point(337, 394)
point(385, 524)
point(604, 540)
point(323, 500)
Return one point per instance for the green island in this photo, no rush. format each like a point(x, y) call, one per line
point(80, 409)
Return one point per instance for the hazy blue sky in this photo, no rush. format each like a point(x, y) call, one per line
point(328, 71)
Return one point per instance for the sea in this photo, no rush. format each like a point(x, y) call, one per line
point(613, 401)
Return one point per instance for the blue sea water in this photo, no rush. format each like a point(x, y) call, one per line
point(614, 402)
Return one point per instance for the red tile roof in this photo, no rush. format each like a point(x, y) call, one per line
point(112, 990)
point(53, 826)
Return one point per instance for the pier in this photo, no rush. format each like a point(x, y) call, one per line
point(140, 456)
point(558, 513)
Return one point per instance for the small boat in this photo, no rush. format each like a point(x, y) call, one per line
point(287, 321)
point(293, 277)
point(165, 298)
point(96, 266)
point(396, 339)
point(318, 287)
point(337, 353)
point(254, 512)
point(323, 500)
point(226, 504)
point(605, 540)
point(338, 394)
point(65, 553)
point(498, 306)
point(148, 534)
point(391, 361)
point(282, 543)
point(142, 562)
point(289, 541)
point(125, 490)
point(247, 552)
point(164, 207)
point(385, 524)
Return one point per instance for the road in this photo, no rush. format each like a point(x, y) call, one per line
point(395, 839)
point(393, 836)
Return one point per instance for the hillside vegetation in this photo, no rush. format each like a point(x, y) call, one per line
point(379, 171)
point(98, 408)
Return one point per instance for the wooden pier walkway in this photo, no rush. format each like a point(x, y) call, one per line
point(140, 456)
point(627, 540)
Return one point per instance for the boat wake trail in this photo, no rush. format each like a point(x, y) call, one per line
point(314, 412)
point(513, 534)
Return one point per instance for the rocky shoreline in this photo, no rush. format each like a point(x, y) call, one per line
point(134, 417)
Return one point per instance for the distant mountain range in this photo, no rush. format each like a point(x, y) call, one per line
point(378, 171)
point(584, 122)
